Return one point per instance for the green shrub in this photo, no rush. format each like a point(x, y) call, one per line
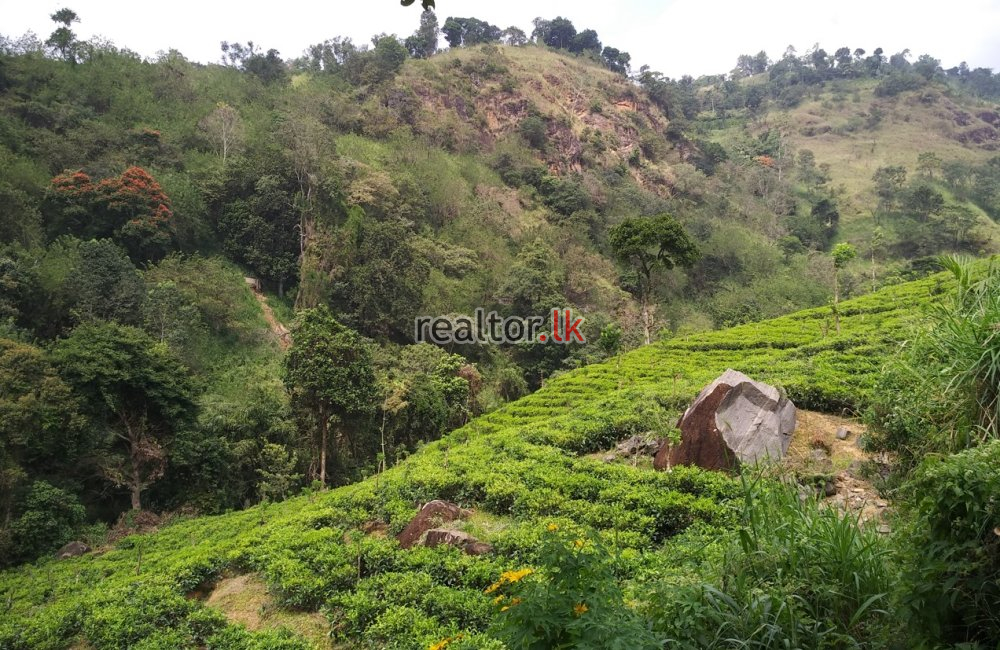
point(952, 591)
point(798, 575)
point(572, 601)
point(51, 517)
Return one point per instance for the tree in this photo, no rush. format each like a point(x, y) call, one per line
point(842, 254)
point(888, 184)
point(928, 162)
point(384, 279)
point(469, 31)
point(40, 421)
point(514, 36)
point(617, 60)
point(136, 390)
point(63, 40)
point(224, 129)
point(423, 43)
point(585, 41)
point(132, 209)
point(330, 377)
point(649, 245)
point(560, 33)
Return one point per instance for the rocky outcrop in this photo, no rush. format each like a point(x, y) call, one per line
point(432, 515)
point(73, 549)
point(733, 420)
point(458, 539)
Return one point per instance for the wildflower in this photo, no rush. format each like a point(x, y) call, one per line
point(496, 601)
point(579, 543)
point(515, 601)
point(553, 528)
point(508, 577)
point(516, 576)
point(440, 645)
point(580, 609)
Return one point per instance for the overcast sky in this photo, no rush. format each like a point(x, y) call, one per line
point(675, 37)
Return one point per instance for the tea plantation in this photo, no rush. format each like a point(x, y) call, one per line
point(525, 470)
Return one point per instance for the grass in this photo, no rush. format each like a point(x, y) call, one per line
point(518, 467)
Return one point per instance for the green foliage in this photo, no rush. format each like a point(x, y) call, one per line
point(950, 590)
point(329, 375)
point(49, 518)
point(572, 601)
point(799, 574)
point(939, 394)
point(134, 387)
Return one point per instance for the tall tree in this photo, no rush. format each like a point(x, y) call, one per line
point(63, 40)
point(224, 129)
point(330, 376)
point(842, 254)
point(423, 43)
point(647, 246)
point(134, 389)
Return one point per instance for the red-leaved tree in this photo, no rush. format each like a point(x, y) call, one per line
point(132, 209)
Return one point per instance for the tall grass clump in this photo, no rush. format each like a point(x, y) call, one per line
point(799, 575)
point(941, 392)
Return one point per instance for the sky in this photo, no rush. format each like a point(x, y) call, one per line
point(675, 37)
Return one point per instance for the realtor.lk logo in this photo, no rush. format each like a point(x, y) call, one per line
point(490, 328)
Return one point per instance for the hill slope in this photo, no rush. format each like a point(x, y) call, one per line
point(518, 468)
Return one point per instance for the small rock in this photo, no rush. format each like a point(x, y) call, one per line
point(843, 433)
point(457, 538)
point(881, 504)
point(857, 490)
point(434, 513)
point(638, 444)
point(73, 549)
point(830, 488)
point(610, 458)
point(884, 529)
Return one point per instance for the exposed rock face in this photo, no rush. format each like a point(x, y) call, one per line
point(73, 549)
point(641, 445)
point(733, 420)
point(432, 515)
point(464, 541)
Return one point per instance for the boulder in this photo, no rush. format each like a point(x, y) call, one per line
point(457, 538)
point(73, 549)
point(843, 433)
point(432, 515)
point(638, 445)
point(733, 420)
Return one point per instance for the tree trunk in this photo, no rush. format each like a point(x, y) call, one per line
point(645, 320)
point(323, 428)
point(873, 268)
point(836, 300)
point(135, 488)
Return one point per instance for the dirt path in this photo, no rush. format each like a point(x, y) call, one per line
point(280, 332)
point(816, 451)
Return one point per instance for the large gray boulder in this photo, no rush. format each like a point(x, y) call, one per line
point(733, 420)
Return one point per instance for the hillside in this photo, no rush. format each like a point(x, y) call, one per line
point(519, 469)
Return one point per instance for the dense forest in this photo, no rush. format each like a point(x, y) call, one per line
point(210, 273)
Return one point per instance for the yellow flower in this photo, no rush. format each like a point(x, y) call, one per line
point(515, 601)
point(515, 576)
point(440, 645)
point(579, 543)
point(508, 577)
point(580, 609)
point(553, 528)
point(496, 601)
